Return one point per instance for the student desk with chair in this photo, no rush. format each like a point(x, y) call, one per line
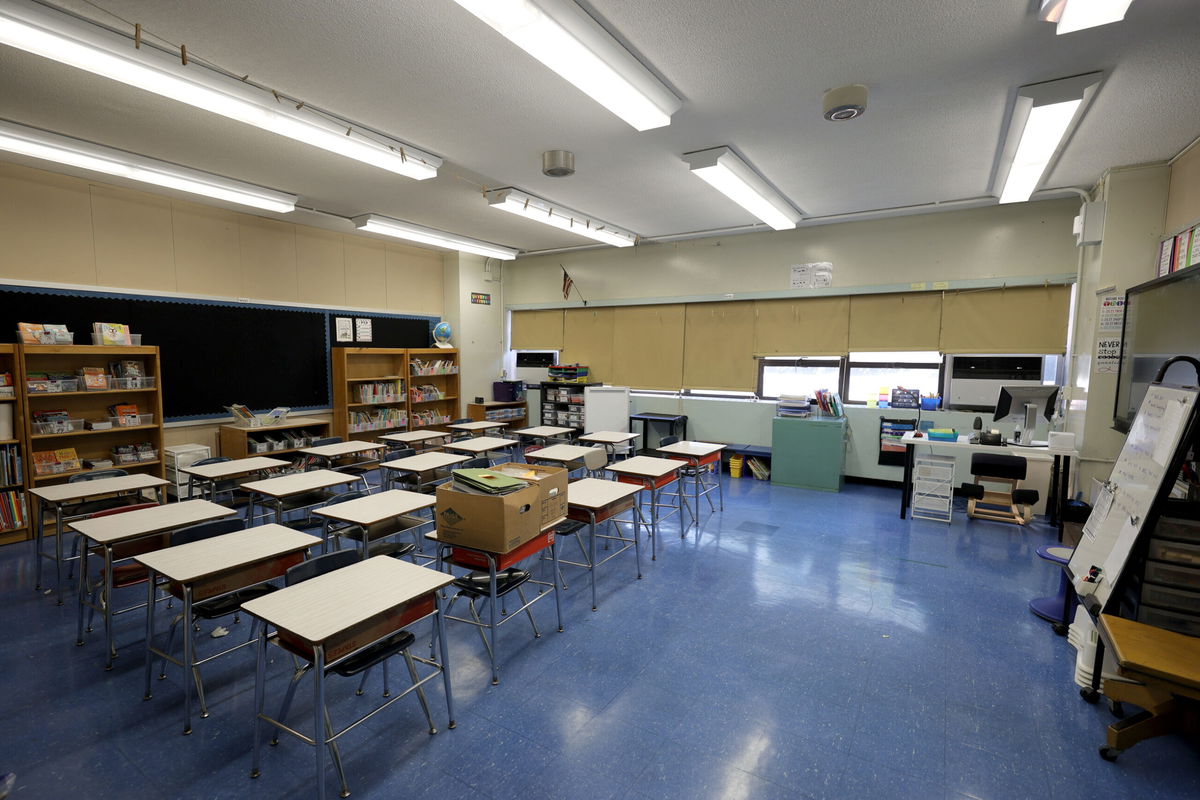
point(653, 475)
point(593, 501)
point(207, 571)
point(482, 446)
point(477, 427)
point(209, 475)
point(538, 434)
point(115, 530)
point(368, 520)
point(701, 457)
point(611, 440)
point(297, 488)
point(570, 456)
point(423, 467)
point(420, 440)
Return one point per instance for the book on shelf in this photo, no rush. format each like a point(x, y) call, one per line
point(125, 413)
point(30, 332)
point(12, 510)
point(58, 334)
point(380, 392)
point(93, 378)
point(11, 471)
point(439, 367)
point(113, 333)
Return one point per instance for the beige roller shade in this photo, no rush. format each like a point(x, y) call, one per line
point(648, 346)
point(815, 326)
point(718, 346)
point(588, 339)
point(1025, 319)
point(882, 322)
point(537, 330)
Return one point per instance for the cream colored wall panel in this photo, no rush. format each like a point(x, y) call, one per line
point(45, 227)
point(268, 259)
point(1183, 200)
point(366, 272)
point(415, 281)
point(134, 241)
point(206, 250)
point(320, 267)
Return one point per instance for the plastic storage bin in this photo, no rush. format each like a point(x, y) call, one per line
point(132, 420)
point(1171, 575)
point(53, 387)
point(1184, 530)
point(1171, 620)
point(1171, 599)
point(1175, 552)
point(139, 457)
point(135, 340)
point(64, 426)
point(132, 383)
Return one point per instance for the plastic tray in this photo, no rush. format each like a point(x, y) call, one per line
point(1172, 599)
point(1171, 575)
point(135, 340)
point(1175, 552)
point(65, 426)
point(53, 387)
point(134, 458)
point(1171, 620)
point(1184, 530)
point(128, 422)
point(132, 383)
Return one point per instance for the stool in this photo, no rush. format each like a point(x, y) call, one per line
point(1001, 506)
point(1056, 608)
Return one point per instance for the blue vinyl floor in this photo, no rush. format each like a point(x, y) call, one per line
point(808, 645)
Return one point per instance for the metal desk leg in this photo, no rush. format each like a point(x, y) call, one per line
point(149, 633)
point(654, 518)
point(319, 737)
point(39, 535)
point(445, 655)
point(279, 510)
point(591, 559)
point(906, 486)
point(83, 568)
point(109, 645)
point(557, 600)
point(494, 601)
point(59, 534)
point(260, 696)
point(188, 656)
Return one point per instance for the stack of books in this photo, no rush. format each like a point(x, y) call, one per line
point(793, 405)
point(12, 510)
point(829, 403)
point(485, 481)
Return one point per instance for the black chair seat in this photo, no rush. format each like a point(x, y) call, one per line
point(569, 527)
point(995, 465)
point(94, 506)
point(231, 603)
point(476, 583)
point(393, 549)
point(375, 654)
point(972, 490)
point(1025, 497)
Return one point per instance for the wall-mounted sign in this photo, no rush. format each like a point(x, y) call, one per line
point(481, 299)
point(812, 275)
point(343, 328)
point(362, 329)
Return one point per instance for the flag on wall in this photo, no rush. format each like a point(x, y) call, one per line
point(567, 284)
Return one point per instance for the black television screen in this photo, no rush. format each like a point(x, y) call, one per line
point(1162, 319)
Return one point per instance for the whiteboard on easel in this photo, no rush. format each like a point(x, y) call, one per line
point(1125, 500)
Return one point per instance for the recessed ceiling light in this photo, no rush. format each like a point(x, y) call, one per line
point(1076, 15)
point(726, 172)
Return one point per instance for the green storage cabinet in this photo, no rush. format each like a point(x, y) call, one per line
point(808, 453)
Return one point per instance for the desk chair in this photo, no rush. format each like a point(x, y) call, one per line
point(346, 464)
point(360, 663)
point(214, 487)
point(89, 507)
point(459, 436)
point(124, 575)
point(1009, 505)
point(208, 609)
point(372, 537)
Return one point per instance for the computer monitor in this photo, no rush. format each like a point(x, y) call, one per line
point(1021, 404)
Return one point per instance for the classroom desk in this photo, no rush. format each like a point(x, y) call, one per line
point(420, 440)
point(477, 427)
point(473, 558)
point(610, 439)
point(651, 474)
point(109, 531)
point(592, 500)
point(374, 509)
point(334, 616)
point(1060, 470)
point(61, 494)
point(673, 420)
point(340, 449)
point(482, 445)
point(540, 433)
point(285, 486)
point(1167, 666)
point(212, 568)
point(568, 456)
point(210, 474)
point(699, 455)
point(421, 465)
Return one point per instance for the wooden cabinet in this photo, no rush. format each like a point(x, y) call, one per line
point(433, 386)
point(238, 441)
point(370, 391)
point(14, 453)
point(513, 414)
point(118, 419)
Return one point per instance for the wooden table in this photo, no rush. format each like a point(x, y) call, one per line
point(1167, 667)
point(477, 427)
point(60, 495)
point(481, 445)
point(700, 456)
point(652, 474)
point(109, 531)
point(416, 439)
point(224, 470)
point(592, 500)
point(286, 486)
point(421, 465)
point(212, 568)
point(375, 509)
point(610, 439)
point(337, 615)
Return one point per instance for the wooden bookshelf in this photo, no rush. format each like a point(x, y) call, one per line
point(13, 450)
point(498, 409)
point(239, 441)
point(435, 394)
point(89, 406)
point(358, 370)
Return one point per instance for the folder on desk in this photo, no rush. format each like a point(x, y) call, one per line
point(486, 480)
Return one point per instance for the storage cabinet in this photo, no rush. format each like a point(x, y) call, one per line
point(370, 391)
point(808, 453)
point(563, 404)
point(1170, 586)
point(14, 455)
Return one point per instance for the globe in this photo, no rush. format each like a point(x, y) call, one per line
point(441, 333)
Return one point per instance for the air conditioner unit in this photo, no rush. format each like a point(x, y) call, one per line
point(973, 382)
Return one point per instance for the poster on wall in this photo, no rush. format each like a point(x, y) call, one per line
point(813, 275)
point(362, 329)
point(1108, 338)
point(343, 329)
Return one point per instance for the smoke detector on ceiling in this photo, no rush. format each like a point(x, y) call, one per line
point(558, 163)
point(845, 102)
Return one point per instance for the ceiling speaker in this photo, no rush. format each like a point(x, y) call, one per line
point(558, 163)
point(845, 102)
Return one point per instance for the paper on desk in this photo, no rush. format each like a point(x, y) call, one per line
point(1099, 513)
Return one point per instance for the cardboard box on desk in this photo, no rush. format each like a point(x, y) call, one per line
point(551, 483)
point(496, 523)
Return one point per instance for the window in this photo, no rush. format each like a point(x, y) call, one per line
point(803, 375)
point(873, 373)
point(725, 394)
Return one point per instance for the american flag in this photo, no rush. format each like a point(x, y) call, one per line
point(567, 284)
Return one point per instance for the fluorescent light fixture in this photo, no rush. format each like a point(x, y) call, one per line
point(1076, 15)
point(59, 37)
point(726, 172)
point(386, 226)
point(566, 39)
point(545, 212)
point(1042, 120)
point(96, 158)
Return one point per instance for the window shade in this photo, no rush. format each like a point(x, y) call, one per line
point(883, 322)
point(537, 330)
point(1024, 319)
point(811, 327)
point(718, 346)
point(588, 339)
point(648, 346)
